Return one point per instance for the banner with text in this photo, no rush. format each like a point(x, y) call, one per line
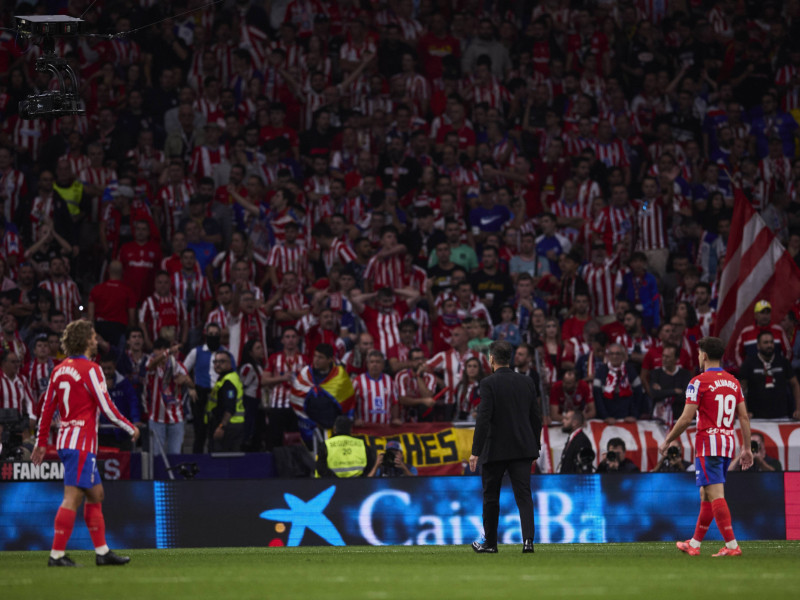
point(433, 448)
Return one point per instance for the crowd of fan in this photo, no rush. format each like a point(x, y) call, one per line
point(404, 182)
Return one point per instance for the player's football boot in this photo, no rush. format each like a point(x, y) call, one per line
point(64, 561)
point(527, 547)
point(688, 548)
point(725, 551)
point(109, 559)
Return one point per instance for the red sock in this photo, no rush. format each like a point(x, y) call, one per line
point(95, 523)
point(65, 520)
point(703, 521)
point(723, 518)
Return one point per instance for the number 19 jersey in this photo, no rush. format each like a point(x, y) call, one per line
point(716, 394)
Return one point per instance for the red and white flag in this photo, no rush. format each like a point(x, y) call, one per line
point(757, 267)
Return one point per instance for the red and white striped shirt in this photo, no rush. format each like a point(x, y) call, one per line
point(451, 365)
point(220, 316)
point(244, 327)
point(173, 199)
point(162, 311)
point(41, 211)
point(66, 295)
point(285, 258)
point(204, 159)
point(280, 364)
point(16, 394)
point(99, 176)
point(13, 187)
point(38, 376)
point(600, 280)
point(464, 397)
point(613, 224)
point(78, 390)
point(374, 399)
point(164, 396)
point(651, 228)
point(705, 321)
point(29, 134)
point(385, 272)
point(612, 154)
point(384, 327)
point(587, 191)
point(193, 292)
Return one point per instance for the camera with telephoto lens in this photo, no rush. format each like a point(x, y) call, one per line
point(13, 425)
point(673, 452)
point(388, 459)
point(612, 456)
point(754, 447)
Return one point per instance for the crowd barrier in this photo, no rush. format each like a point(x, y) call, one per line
point(403, 511)
point(444, 448)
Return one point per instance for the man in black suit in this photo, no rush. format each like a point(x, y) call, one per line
point(577, 441)
point(506, 438)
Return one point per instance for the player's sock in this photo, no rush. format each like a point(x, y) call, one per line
point(703, 522)
point(96, 524)
point(723, 518)
point(64, 522)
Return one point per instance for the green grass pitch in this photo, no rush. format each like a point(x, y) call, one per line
point(766, 571)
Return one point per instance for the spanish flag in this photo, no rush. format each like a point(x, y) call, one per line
point(318, 402)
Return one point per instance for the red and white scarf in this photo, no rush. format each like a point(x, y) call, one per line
point(617, 382)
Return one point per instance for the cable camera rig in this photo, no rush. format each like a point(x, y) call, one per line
point(64, 100)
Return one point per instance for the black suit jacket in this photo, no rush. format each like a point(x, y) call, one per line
point(578, 443)
point(509, 422)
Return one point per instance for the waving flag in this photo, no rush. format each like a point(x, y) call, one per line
point(756, 267)
point(319, 402)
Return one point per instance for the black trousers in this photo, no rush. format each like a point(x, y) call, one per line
point(519, 471)
point(199, 420)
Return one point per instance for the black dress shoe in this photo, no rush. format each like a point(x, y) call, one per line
point(482, 548)
point(527, 547)
point(64, 561)
point(109, 558)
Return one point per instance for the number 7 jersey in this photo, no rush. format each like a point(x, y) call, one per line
point(716, 394)
point(78, 390)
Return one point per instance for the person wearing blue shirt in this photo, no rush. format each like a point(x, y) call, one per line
point(127, 402)
point(640, 289)
point(488, 217)
point(770, 122)
point(551, 244)
point(200, 362)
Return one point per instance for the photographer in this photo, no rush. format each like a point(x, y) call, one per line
point(614, 459)
point(761, 462)
point(673, 463)
point(390, 463)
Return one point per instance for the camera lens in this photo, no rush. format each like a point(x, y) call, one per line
point(754, 447)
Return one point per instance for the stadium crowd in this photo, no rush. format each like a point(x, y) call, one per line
point(380, 188)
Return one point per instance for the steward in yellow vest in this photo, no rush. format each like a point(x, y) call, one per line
point(342, 455)
point(226, 406)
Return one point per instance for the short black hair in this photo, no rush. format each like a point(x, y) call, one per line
point(325, 349)
point(713, 346)
point(616, 442)
point(502, 351)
